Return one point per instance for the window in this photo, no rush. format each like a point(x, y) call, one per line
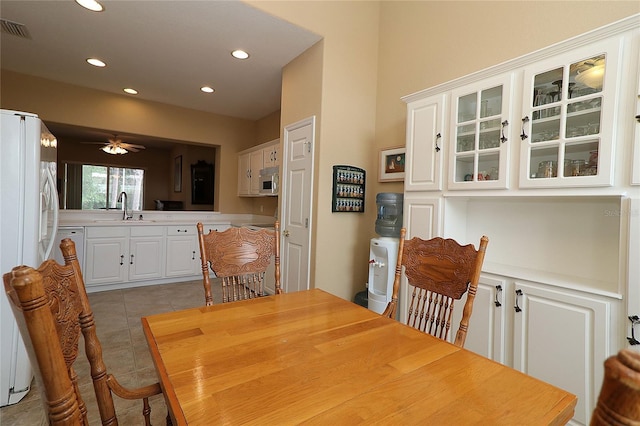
point(101, 186)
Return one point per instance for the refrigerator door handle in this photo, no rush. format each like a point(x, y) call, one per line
point(51, 183)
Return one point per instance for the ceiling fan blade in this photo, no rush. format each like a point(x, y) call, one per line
point(131, 146)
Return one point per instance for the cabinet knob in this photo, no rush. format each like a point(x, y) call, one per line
point(285, 233)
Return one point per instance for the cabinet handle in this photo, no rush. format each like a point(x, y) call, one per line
point(438, 136)
point(634, 320)
point(131, 260)
point(503, 138)
point(638, 118)
point(517, 307)
point(498, 291)
point(193, 255)
point(525, 120)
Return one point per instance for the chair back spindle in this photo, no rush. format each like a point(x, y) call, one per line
point(438, 272)
point(239, 257)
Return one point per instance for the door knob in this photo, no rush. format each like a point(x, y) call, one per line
point(285, 233)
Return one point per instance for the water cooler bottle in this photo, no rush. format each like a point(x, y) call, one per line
point(383, 251)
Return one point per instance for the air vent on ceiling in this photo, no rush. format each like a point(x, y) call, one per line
point(14, 28)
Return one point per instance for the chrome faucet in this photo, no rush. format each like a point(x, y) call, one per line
point(122, 199)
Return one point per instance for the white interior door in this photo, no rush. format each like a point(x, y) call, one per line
point(297, 187)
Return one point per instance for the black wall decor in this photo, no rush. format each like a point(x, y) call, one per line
point(348, 189)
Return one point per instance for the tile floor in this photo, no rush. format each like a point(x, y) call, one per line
point(117, 314)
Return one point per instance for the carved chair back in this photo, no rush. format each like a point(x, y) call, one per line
point(438, 272)
point(239, 257)
point(52, 309)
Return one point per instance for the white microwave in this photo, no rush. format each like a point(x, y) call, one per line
point(269, 181)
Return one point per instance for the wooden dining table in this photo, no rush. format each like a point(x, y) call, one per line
point(313, 358)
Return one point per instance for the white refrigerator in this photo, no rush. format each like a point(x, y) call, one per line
point(28, 225)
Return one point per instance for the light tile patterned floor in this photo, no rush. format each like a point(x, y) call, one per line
point(117, 314)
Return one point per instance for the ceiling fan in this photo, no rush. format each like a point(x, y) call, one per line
point(116, 146)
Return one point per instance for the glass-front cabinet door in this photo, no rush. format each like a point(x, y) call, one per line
point(568, 119)
point(480, 128)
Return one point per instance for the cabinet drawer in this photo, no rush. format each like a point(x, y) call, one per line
point(107, 231)
point(182, 230)
point(147, 231)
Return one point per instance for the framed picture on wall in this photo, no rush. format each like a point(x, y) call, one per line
point(391, 164)
point(177, 174)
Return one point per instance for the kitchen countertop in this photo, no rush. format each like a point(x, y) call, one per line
point(150, 218)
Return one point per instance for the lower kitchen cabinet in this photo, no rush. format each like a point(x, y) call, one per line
point(558, 335)
point(116, 255)
point(105, 253)
point(183, 253)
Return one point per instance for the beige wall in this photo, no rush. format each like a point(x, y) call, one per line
point(421, 44)
point(342, 96)
point(69, 104)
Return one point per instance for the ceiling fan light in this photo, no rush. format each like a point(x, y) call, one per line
point(114, 149)
point(92, 5)
point(592, 77)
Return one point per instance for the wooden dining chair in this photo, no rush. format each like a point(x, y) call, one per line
point(438, 271)
point(239, 257)
point(52, 309)
point(619, 400)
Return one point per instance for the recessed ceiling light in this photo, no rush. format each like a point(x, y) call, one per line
point(96, 62)
point(240, 54)
point(207, 89)
point(130, 91)
point(91, 5)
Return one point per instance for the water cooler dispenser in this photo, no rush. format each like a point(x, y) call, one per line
point(383, 251)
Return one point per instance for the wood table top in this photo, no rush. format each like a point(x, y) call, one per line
point(313, 358)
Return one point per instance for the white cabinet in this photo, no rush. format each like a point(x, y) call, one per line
point(271, 155)
point(146, 252)
point(481, 134)
point(488, 333)
point(569, 104)
point(250, 162)
point(560, 207)
point(563, 337)
point(558, 335)
point(249, 165)
point(425, 129)
point(120, 254)
point(106, 255)
point(635, 177)
point(183, 253)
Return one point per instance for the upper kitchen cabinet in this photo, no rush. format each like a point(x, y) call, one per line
point(569, 114)
point(480, 139)
point(425, 126)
